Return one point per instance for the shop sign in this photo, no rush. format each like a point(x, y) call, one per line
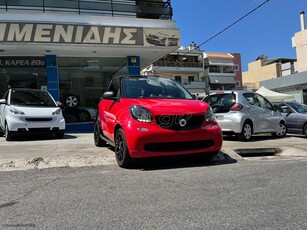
point(8, 62)
point(86, 34)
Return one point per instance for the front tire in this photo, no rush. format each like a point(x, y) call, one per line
point(97, 132)
point(59, 135)
point(122, 154)
point(282, 130)
point(305, 130)
point(8, 134)
point(246, 133)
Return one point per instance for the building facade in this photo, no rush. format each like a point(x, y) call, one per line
point(185, 65)
point(265, 69)
point(223, 71)
point(295, 83)
point(73, 48)
point(200, 72)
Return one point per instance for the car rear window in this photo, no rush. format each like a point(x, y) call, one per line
point(221, 103)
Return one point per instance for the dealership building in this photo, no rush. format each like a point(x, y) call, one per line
point(72, 48)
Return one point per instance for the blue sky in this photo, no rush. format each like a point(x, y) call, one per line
point(268, 30)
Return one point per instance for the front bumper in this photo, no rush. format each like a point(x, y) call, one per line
point(149, 140)
point(19, 124)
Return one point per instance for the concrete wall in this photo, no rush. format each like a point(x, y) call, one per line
point(299, 41)
point(258, 71)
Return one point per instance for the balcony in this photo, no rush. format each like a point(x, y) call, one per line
point(178, 64)
point(158, 9)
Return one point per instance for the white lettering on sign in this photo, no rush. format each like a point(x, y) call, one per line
point(60, 32)
point(78, 34)
point(43, 33)
point(17, 34)
point(2, 30)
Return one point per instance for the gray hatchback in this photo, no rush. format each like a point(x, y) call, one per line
point(295, 115)
point(245, 113)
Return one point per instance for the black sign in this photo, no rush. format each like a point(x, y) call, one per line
point(8, 62)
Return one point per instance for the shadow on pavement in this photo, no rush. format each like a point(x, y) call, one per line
point(40, 137)
point(255, 138)
point(172, 162)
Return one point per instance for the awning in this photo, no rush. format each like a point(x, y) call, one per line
point(222, 80)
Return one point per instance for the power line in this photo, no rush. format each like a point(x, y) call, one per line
point(223, 30)
point(232, 24)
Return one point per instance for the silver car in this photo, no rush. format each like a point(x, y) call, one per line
point(245, 113)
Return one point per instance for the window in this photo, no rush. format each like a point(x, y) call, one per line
point(178, 78)
point(214, 69)
point(238, 84)
point(191, 78)
point(228, 69)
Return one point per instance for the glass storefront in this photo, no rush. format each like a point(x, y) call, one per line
point(82, 82)
point(17, 77)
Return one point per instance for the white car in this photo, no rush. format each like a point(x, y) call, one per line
point(24, 111)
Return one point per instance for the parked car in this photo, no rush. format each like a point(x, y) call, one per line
point(152, 116)
point(24, 111)
point(245, 113)
point(295, 115)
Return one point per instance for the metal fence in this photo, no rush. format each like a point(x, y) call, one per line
point(154, 9)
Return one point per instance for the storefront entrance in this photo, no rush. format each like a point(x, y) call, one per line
point(82, 82)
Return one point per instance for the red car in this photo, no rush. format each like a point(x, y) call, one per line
point(152, 116)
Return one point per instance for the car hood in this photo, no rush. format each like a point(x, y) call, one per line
point(171, 106)
point(36, 111)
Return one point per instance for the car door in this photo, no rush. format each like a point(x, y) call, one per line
point(255, 111)
point(290, 116)
point(270, 118)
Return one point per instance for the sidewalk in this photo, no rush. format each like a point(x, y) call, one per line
point(78, 150)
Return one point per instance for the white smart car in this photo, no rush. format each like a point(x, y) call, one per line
point(24, 111)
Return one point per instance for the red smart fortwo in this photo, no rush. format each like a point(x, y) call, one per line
point(152, 116)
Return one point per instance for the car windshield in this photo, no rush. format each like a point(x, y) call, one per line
point(31, 98)
point(153, 88)
point(300, 108)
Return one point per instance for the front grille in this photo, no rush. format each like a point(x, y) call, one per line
point(38, 119)
point(39, 129)
point(178, 146)
point(180, 122)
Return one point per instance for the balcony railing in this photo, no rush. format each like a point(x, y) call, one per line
point(178, 64)
point(159, 9)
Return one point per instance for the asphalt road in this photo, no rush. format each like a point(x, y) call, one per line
point(169, 194)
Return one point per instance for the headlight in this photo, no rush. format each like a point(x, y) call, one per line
point(140, 114)
point(16, 111)
point(57, 112)
point(210, 115)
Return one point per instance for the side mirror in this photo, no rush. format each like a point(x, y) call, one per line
point(108, 95)
point(59, 103)
point(3, 101)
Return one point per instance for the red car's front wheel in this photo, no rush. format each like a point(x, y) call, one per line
point(123, 157)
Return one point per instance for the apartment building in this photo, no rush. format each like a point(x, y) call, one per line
point(73, 48)
point(185, 65)
point(265, 69)
point(200, 72)
point(223, 71)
